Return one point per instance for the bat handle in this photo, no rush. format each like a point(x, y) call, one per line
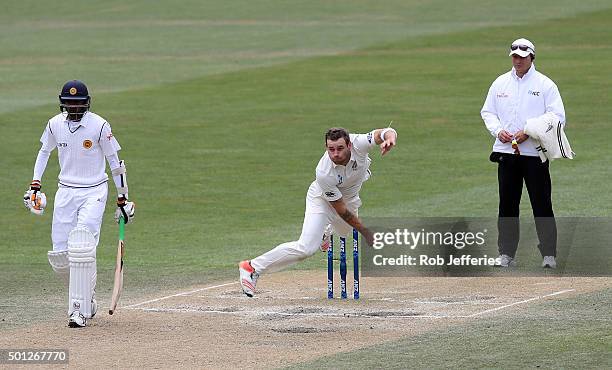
point(121, 228)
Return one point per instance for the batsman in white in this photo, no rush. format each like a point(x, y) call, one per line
point(332, 201)
point(83, 139)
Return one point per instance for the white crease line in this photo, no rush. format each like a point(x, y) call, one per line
point(179, 294)
point(242, 297)
point(521, 302)
point(473, 303)
point(342, 315)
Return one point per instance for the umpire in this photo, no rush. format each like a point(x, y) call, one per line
point(513, 98)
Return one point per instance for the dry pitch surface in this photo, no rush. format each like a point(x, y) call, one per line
point(289, 321)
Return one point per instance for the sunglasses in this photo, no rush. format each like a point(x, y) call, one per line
point(515, 147)
point(521, 47)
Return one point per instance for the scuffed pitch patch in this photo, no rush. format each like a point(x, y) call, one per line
point(302, 330)
point(393, 313)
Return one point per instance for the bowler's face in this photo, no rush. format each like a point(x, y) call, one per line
point(339, 151)
point(521, 65)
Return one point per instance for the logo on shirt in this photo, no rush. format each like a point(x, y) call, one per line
point(109, 136)
point(340, 180)
point(534, 93)
point(330, 194)
point(62, 145)
point(369, 137)
point(87, 144)
point(502, 95)
point(354, 166)
point(550, 127)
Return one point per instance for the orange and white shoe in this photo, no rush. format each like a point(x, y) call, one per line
point(248, 278)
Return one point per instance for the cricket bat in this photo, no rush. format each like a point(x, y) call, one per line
point(118, 285)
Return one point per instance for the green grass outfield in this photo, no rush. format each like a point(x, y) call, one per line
point(221, 110)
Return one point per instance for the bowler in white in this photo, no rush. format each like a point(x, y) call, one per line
point(332, 201)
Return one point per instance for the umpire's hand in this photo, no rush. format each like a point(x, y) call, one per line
point(521, 136)
point(504, 136)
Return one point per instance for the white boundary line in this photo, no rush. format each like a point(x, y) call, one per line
point(179, 294)
point(521, 302)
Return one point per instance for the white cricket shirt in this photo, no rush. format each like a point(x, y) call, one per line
point(81, 147)
point(511, 101)
point(336, 181)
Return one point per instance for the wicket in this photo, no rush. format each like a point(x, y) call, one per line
point(330, 267)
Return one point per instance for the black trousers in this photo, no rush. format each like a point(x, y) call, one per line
point(512, 171)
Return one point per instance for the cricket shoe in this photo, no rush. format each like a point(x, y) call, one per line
point(506, 261)
point(76, 320)
point(248, 278)
point(326, 240)
point(549, 262)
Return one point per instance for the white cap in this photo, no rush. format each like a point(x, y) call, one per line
point(520, 44)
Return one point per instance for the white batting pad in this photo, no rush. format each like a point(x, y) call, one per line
point(82, 258)
point(59, 263)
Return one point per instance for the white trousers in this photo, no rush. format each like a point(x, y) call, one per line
point(319, 214)
point(77, 207)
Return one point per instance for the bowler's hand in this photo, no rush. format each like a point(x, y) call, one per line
point(389, 143)
point(504, 136)
point(368, 236)
point(521, 136)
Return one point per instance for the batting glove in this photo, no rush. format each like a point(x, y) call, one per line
point(35, 200)
point(125, 209)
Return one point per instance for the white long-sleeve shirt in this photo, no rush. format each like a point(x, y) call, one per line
point(511, 101)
